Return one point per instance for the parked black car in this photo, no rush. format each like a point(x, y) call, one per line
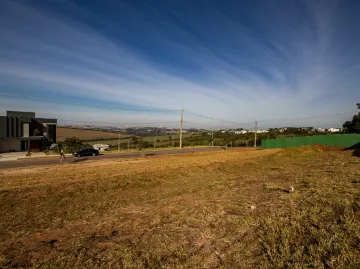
point(86, 152)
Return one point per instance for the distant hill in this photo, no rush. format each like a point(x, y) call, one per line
point(85, 135)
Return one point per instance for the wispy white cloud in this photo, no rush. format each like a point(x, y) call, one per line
point(286, 68)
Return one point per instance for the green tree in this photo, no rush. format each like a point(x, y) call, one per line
point(71, 144)
point(227, 140)
point(36, 132)
point(136, 141)
point(354, 125)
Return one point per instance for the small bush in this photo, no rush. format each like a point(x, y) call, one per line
point(55, 150)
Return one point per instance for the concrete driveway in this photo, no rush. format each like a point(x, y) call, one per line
point(13, 156)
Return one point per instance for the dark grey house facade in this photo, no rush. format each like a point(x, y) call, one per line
point(22, 131)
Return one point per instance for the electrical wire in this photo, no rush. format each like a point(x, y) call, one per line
point(215, 127)
point(273, 120)
point(322, 126)
point(127, 123)
point(313, 117)
point(215, 119)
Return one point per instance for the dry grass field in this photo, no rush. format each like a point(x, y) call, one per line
point(163, 140)
point(226, 209)
point(62, 133)
point(91, 137)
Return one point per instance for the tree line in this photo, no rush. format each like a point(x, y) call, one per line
point(353, 126)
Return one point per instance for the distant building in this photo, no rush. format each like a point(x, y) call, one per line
point(21, 131)
point(101, 147)
point(334, 130)
point(176, 131)
point(241, 132)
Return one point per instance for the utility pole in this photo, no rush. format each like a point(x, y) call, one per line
point(128, 144)
point(212, 138)
point(255, 133)
point(181, 126)
point(173, 140)
point(155, 138)
point(119, 143)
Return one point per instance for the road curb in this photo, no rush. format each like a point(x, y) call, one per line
point(54, 159)
point(42, 157)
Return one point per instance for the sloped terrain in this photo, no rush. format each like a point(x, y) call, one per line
point(227, 209)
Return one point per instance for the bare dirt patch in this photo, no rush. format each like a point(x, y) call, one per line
point(62, 133)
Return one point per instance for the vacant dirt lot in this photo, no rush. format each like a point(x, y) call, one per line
point(62, 133)
point(226, 209)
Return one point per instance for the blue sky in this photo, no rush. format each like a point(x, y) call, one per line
point(238, 61)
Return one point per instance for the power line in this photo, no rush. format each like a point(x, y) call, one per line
point(273, 120)
point(313, 117)
point(82, 105)
point(252, 128)
point(215, 119)
point(321, 126)
point(216, 127)
point(127, 123)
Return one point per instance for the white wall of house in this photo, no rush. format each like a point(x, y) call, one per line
point(101, 147)
point(26, 130)
point(9, 144)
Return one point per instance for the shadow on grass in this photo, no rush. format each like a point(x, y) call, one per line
point(270, 187)
point(355, 146)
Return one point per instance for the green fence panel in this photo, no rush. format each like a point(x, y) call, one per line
point(340, 140)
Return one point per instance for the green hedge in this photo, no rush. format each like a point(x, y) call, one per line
point(341, 140)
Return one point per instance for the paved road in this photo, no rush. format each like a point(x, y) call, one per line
point(55, 160)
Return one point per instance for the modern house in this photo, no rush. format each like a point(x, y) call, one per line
point(22, 131)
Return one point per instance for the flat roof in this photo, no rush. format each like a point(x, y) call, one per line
point(48, 121)
point(20, 114)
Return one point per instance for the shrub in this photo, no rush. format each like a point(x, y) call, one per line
point(71, 144)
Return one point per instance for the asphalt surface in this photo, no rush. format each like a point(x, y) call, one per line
point(56, 160)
